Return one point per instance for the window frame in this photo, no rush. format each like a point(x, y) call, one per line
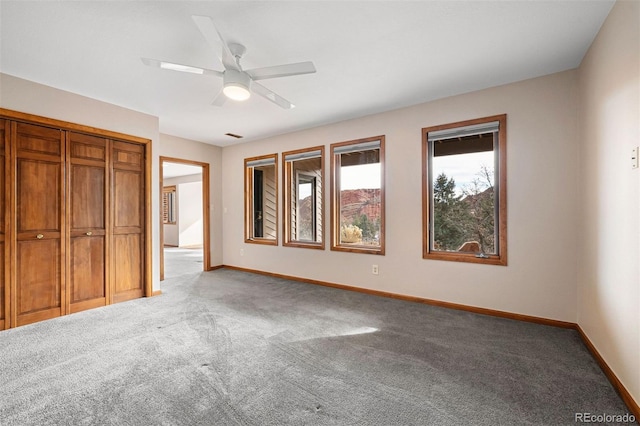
point(335, 199)
point(290, 179)
point(500, 258)
point(249, 230)
point(169, 195)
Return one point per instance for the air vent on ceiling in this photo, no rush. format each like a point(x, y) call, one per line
point(233, 135)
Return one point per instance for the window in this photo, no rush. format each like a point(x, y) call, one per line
point(465, 191)
point(261, 201)
point(357, 196)
point(303, 200)
point(169, 205)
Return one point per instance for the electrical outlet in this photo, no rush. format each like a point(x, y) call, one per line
point(634, 158)
point(241, 252)
point(374, 269)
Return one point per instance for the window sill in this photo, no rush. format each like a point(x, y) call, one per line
point(301, 244)
point(354, 248)
point(262, 241)
point(467, 257)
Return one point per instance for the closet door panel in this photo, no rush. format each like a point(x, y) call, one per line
point(128, 272)
point(127, 236)
point(38, 195)
point(87, 221)
point(128, 220)
point(38, 140)
point(39, 207)
point(87, 271)
point(3, 299)
point(39, 277)
point(128, 199)
point(4, 134)
point(87, 197)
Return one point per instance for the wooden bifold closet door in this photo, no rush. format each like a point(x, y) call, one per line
point(128, 220)
point(88, 200)
point(38, 247)
point(4, 301)
point(73, 219)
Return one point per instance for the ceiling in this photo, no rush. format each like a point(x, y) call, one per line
point(370, 56)
point(171, 170)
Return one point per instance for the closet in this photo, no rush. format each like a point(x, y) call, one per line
point(73, 219)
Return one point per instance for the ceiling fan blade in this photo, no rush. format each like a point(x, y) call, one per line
point(281, 70)
point(220, 99)
point(179, 67)
point(214, 38)
point(271, 96)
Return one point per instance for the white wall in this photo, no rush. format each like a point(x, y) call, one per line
point(185, 149)
point(33, 98)
point(187, 231)
point(609, 245)
point(542, 204)
point(190, 220)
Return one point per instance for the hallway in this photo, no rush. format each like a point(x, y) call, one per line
point(182, 261)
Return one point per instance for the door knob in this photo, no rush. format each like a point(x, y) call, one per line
point(39, 236)
point(89, 233)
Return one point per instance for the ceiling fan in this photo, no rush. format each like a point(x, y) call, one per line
point(237, 83)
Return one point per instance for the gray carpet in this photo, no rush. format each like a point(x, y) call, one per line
point(228, 347)
point(180, 261)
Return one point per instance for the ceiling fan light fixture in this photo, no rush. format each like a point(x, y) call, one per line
point(236, 85)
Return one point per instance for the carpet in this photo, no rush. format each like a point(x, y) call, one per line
point(234, 348)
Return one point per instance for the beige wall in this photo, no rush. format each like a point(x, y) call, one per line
point(609, 244)
point(542, 204)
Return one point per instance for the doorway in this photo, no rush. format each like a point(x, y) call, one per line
point(184, 227)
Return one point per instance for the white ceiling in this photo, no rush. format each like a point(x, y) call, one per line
point(370, 56)
point(171, 170)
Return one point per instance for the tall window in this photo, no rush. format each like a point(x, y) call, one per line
point(465, 191)
point(169, 204)
point(261, 201)
point(357, 196)
point(303, 200)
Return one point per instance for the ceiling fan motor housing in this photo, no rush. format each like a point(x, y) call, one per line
point(236, 85)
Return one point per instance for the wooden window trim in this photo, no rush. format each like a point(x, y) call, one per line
point(248, 202)
point(288, 179)
point(496, 259)
point(168, 190)
point(335, 202)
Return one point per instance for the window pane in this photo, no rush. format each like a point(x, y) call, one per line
point(305, 212)
point(358, 195)
point(360, 205)
point(303, 197)
point(168, 204)
point(464, 191)
point(463, 202)
point(261, 200)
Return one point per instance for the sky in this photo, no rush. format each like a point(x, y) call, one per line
point(364, 176)
point(463, 168)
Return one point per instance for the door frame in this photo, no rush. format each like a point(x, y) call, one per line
point(206, 217)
